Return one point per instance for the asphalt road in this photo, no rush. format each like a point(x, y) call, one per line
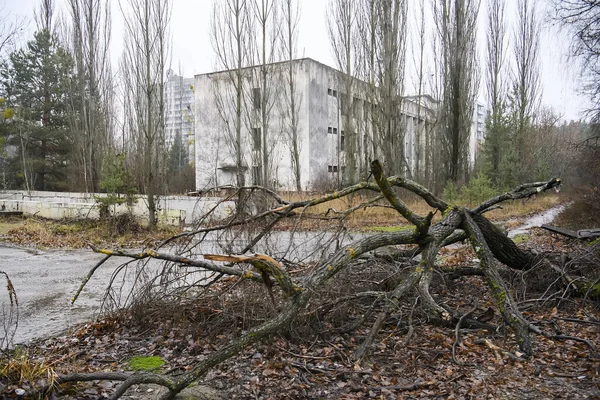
point(45, 282)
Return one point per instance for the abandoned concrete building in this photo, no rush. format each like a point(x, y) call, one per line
point(266, 155)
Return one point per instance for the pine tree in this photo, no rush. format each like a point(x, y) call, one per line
point(36, 86)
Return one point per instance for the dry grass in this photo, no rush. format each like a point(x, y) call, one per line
point(28, 371)
point(44, 233)
point(384, 216)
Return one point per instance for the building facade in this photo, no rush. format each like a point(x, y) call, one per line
point(324, 150)
point(179, 112)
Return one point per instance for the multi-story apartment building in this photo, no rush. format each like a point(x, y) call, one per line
point(323, 112)
point(477, 133)
point(179, 111)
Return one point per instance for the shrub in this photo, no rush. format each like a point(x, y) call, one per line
point(477, 191)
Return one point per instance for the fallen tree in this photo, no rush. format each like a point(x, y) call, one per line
point(292, 293)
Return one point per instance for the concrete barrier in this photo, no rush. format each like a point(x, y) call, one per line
point(172, 210)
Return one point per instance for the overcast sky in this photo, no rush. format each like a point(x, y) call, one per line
point(192, 51)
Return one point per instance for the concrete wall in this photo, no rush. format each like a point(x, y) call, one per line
point(216, 119)
point(216, 128)
point(173, 210)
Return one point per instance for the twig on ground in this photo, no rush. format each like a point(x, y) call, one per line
point(457, 333)
point(496, 349)
point(418, 384)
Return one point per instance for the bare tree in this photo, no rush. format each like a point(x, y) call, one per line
point(582, 18)
point(342, 32)
point(10, 28)
point(496, 87)
point(144, 68)
point(268, 24)
point(421, 150)
point(526, 76)
point(292, 98)
point(44, 16)
point(90, 39)
point(231, 29)
point(456, 23)
point(382, 36)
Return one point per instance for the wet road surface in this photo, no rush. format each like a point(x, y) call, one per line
point(45, 282)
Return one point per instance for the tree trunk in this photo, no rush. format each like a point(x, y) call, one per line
point(504, 249)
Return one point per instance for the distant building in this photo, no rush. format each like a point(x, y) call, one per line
point(477, 133)
point(322, 142)
point(179, 111)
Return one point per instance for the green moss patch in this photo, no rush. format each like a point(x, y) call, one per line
point(146, 363)
point(521, 238)
point(594, 242)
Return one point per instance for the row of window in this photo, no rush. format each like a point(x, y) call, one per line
point(346, 107)
point(334, 131)
point(334, 169)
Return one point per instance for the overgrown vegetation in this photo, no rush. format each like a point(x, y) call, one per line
point(119, 231)
point(118, 183)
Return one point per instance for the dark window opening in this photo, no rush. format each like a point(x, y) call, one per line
point(256, 175)
point(344, 104)
point(256, 138)
point(335, 131)
point(329, 130)
point(256, 98)
point(329, 92)
point(342, 141)
point(332, 168)
point(356, 107)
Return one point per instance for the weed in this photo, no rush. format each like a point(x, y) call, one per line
point(26, 371)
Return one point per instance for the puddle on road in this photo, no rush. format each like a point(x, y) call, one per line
point(537, 220)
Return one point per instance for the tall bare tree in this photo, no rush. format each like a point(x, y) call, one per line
point(582, 18)
point(90, 122)
point(496, 86)
point(526, 89)
point(231, 30)
point(144, 68)
point(268, 24)
point(382, 35)
point(290, 11)
point(44, 16)
point(421, 148)
point(342, 27)
point(456, 23)
point(10, 28)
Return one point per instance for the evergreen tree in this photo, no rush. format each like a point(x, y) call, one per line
point(35, 84)
point(496, 147)
point(178, 156)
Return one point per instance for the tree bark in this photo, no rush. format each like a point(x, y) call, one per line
point(504, 249)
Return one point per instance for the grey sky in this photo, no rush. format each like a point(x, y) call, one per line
point(192, 51)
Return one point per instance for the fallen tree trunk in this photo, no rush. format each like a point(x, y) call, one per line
point(503, 249)
point(580, 234)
